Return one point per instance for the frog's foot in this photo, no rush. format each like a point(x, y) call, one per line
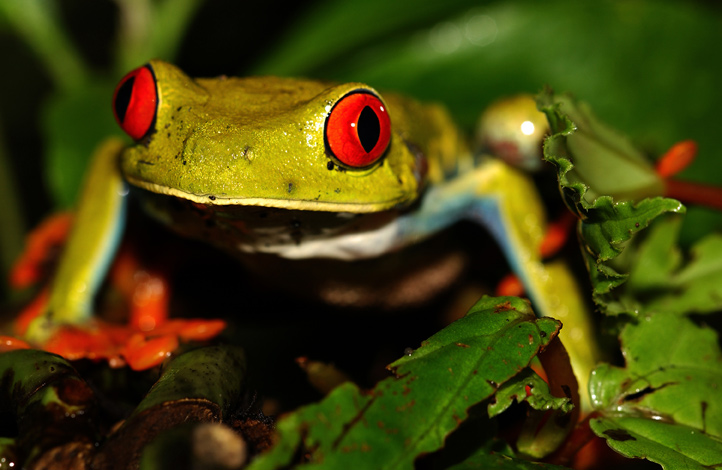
point(41, 248)
point(121, 344)
point(144, 342)
point(125, 344)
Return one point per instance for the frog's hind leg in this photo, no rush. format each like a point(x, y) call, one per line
point(506, 202)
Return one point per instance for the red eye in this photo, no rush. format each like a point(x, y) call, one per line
point(135, 101)
point(358, 129)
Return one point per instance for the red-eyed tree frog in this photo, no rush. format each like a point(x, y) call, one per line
point(298, 170)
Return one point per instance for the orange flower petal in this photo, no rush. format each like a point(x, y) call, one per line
point(676, 158)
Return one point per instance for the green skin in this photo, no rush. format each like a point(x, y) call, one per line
point(229, 146)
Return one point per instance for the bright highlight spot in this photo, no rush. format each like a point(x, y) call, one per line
point(445, 37)
point(480, 30)
point(527, 128)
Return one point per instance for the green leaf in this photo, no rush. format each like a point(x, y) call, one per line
point(352, 25)
point(661, 279)
point(581, 148)
point(672, 377)
point(412, 413)
point(542, 432)
point(539, 397)
point(592, 159)
point(670, 445)
point(604, 161)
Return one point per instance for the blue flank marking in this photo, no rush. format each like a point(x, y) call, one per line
point(114, 233)
point(436, 214)
point(486, 212)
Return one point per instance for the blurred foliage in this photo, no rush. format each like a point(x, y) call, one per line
point(647, 65)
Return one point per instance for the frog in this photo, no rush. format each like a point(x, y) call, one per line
point(293, 170)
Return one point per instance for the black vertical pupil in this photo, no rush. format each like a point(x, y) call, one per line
point(368, 128)
point(122, 98)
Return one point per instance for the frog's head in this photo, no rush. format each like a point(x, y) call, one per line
point(265, 141)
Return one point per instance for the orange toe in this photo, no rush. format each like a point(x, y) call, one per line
point(8, 343)
point(40, 247)
point(126, 344)
point(142, 355)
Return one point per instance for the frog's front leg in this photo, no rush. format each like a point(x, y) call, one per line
point(90, 248)
point(64, 323)
point(506, 202)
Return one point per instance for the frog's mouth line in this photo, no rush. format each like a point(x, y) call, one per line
point(293, 204)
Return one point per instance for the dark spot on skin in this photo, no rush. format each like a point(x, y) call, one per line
point(619, 435)
point(184, 162)
point(329, 165)
point(212, 198)
point(144, 162)
point(167, 126)
point(636, 224)
point(168, 135)
point(337, 190)
point(543, 334)
point(290, 187)
point(179, 108)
